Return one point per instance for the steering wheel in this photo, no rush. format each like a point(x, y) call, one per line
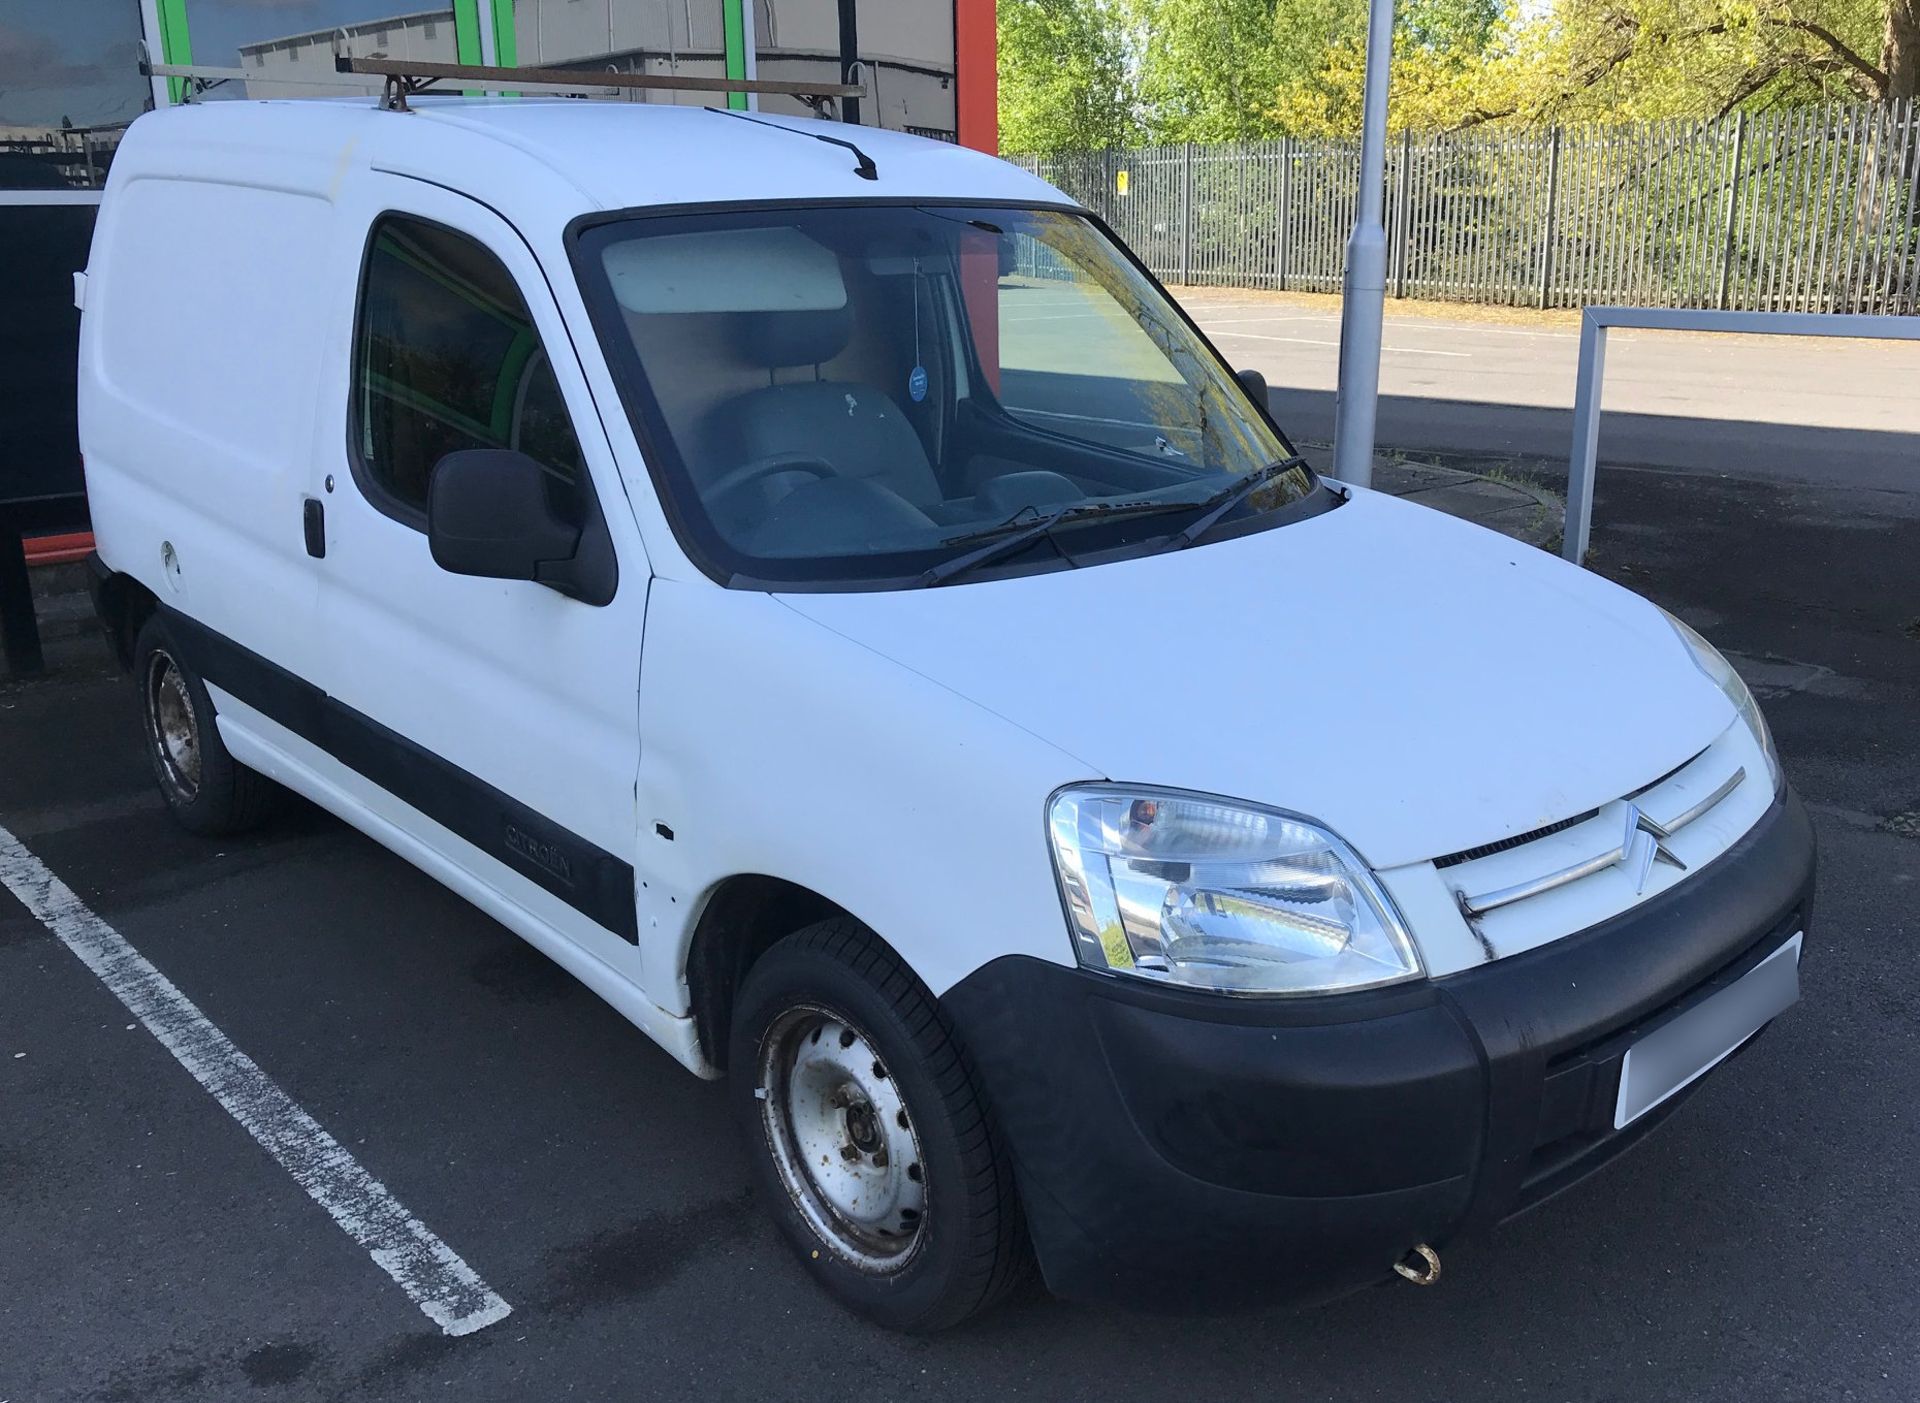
point(734, 479)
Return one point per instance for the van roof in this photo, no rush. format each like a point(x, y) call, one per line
point(522, 154)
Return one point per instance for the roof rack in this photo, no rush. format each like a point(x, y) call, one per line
point(400, 79)
point(404, 78)
point(198, 79)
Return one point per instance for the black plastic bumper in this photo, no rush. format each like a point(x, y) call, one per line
point(1189, 1151)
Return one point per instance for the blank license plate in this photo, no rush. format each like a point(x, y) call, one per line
point(1676, 1054)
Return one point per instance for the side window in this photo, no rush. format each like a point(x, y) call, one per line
point(1057, 317)
point(1079, 353)
point(445, 358)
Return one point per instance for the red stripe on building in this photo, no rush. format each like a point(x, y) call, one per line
point(977, 74)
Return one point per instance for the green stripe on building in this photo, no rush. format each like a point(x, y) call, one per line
point(176, 45)
point(733, 26)
point(466, 31)
point(506, 48)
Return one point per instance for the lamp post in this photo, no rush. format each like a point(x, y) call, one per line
point(1364, 302)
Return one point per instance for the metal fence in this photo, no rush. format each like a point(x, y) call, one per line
point(1813, 210)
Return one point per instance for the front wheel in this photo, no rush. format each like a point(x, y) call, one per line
point(870, 1138)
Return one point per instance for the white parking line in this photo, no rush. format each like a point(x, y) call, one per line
point(1259, 321)
point(1021, 318)
point(1321, 341)
point(1203, 314)
point(445, 1288)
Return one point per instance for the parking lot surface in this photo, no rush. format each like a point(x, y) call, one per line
point(1477, 381)
point(1758, 1247)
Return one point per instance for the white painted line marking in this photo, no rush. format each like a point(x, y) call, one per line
point(1259, 321)
point(1316, 341)
point(1204, 315)
point(445, 1288)
point(1022, 318)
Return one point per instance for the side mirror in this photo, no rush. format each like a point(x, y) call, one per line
point(1255, 384)
point(497, 514)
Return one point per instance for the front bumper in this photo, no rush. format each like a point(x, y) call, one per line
point(1194, 1151)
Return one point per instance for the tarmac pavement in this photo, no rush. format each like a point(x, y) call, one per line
point(1758, 1247)
point(1495, 382)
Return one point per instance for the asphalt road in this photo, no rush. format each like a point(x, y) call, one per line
point(1791, 409)
point(1759, 1247)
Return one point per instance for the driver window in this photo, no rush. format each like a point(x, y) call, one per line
point(446, 357)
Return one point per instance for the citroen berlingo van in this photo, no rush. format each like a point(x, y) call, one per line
point(818, 588)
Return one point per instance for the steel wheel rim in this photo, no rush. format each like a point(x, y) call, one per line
point(842, 1140)
point(172, 728)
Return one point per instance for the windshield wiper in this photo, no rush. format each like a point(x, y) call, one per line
point(1229, 498)
point(995, 548)
point(1008, 537)
point(999, 545)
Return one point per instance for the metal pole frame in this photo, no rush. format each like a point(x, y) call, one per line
point(1594, 325)
point(1549, 223)
point(19, 628)
point(1363, 305)
point(1186, 213)
point(1731, 224)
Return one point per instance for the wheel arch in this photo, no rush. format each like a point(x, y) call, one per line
point(122, 604)
point(743, 917)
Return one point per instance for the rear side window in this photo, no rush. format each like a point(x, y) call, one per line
point(446, 358)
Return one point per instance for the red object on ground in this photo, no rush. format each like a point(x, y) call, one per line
point(977, 74)
point(58, 550)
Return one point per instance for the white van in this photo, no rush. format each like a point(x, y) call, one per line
point(815, 586)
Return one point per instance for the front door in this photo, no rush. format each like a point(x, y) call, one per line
point(496, 719)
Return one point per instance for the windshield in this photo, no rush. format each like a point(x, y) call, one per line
point(866, 395)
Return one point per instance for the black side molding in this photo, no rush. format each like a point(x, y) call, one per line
point(594, 882)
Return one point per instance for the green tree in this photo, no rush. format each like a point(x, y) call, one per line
point(1445, 53)
point(1458, 64)
point(1066, 81)
point(1626, 60)
point(1209, 68)
point(1091, 73)
point(1217, 70)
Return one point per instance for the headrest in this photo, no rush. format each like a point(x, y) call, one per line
point(783, 293)
point(779, 339)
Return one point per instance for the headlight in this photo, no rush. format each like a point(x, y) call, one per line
point(1211, 894)
point(1707, 658)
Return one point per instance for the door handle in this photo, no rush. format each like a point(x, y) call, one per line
point(313, 517)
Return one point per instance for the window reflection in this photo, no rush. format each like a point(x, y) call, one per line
point(905, 47)
point(446, 358)
point(69, 84)
point(285, 64)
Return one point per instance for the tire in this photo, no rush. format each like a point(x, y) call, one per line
point(206, 789)
point(842, 1067)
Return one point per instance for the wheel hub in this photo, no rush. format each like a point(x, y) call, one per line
point(842, 1139)
point(171, 727)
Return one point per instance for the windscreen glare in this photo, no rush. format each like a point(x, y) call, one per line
point(860, 393)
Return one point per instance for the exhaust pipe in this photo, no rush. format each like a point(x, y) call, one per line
point(1421, 1265)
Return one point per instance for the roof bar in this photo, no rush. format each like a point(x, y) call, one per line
point(200, 78)
point(405, 77)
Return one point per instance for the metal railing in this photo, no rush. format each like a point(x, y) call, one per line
point(1594, 324)
point(1809, 210)
point(59, 158)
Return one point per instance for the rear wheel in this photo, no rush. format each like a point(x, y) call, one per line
point(208, 791)
point(870, 1138)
